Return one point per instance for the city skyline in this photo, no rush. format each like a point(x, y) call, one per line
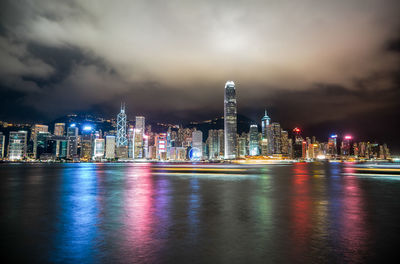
point(124, 142)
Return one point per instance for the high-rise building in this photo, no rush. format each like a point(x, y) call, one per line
point(276, 137)
point(242, 145)
point(2, 142)
point(139, 133)
point(131, 142)
point(332, 146)
point(345, 149)
point(59, 129)
point(121, 127)
point(38, 128)
point(72, 137)
point(297, 144)
point(230, 120)
point(35, 130)
point(253, 141)
point(40, 146)
point(17, 145)
point(213, 144)
point(161, 146)
point(72, 130)
point(265, 121)
point(99, 148)
point(86, 143)
point(284, 143)
point(197, 142)
point(110, 147)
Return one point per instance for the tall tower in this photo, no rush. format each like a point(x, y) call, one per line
point(230, 120)
point(139, 133)
point(265, 121)
point(121, 127)
point(253, 141)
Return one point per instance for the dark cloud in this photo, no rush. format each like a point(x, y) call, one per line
point(310, 63)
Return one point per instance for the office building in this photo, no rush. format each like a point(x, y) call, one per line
point(121, 127)
point(253, 140)
point(99, 149)
point(59, 129)
point(197, 142)
point(139, 133)
point(110, 147)
point(17, 145)
point(2, 142)
point(230, 120)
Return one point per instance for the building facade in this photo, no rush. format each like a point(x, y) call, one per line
point(230, 120)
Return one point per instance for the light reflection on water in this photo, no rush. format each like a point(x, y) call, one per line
point(123, 213)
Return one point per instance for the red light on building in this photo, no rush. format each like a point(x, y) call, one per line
point(348, 137)
point(296, 130)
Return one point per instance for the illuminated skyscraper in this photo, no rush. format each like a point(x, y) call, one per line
point(2, 142)
point(276, 137)
point(161, 146)
point(230, 120)
point(139, 133)
point(121, 128)
point(332, 146)
point(253, 141)
point(197, 142)
point(40, 146)
point(35, 130)
point(213, 144)
point(99, 148)
point(110, 147)
point(72, 136)
point(284, 143)
point(59, 129)
point(38, 128)
point(345, 149)
point(265, 121)
point(267, 132)
point(17, 145)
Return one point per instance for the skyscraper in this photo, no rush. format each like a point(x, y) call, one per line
point(230, 120)
point(2, 142)
point(110, 147)
point(253, 141)
point(38, 128)
point(267, 132)
point(284, 142)
point(17, 145)
point(197, 142)
point(121, 128)
point(59, 129)
point(265, 121)
point(99, 148)
point(139, 133)
point(276, 137)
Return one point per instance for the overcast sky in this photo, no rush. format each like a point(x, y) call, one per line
point(309, 62)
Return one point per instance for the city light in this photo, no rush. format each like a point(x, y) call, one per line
point(334, 136)
point(348, 137)
point(296, 130)
point(87, 128)
point(72, 125)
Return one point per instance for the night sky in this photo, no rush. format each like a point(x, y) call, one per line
point(326, 66)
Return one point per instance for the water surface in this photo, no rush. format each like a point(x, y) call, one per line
point(126, 213)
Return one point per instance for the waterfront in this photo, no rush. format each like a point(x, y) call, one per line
point(131, 213)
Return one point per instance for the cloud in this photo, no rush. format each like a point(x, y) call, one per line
point(177, 55)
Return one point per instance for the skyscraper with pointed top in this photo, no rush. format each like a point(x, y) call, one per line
point(121, 127)
point(265, 121)
point(230, 120)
